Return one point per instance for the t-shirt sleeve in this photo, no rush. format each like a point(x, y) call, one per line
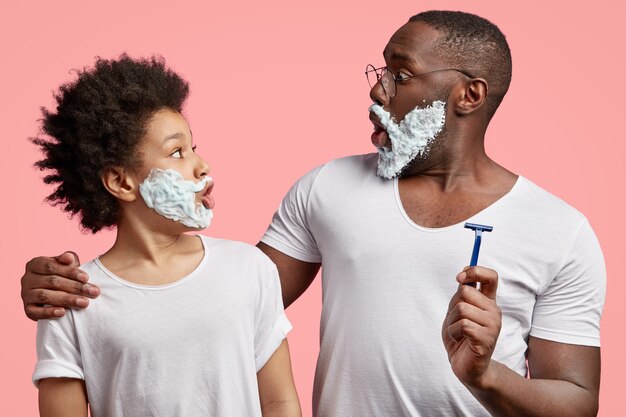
point(569, 309)
point(271, 323)
point(290, 231)
point(58, 353)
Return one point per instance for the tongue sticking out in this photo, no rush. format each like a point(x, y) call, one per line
point(379, 137)
point(208, 201)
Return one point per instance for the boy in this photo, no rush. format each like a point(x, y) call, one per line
point(121, 155)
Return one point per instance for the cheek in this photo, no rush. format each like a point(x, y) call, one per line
point(401, 107)
point(398, 112)
point(184, 169)
point(187, 172)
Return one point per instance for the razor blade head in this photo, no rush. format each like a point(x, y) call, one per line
point(480, 227)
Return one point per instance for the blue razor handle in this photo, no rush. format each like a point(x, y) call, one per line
point(478, 233)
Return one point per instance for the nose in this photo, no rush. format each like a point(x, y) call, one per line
point(379, 95)
point(202, 168)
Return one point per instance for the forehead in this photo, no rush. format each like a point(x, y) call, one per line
point(165, 124)
point(413, 43)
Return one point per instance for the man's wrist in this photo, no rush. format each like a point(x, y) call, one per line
point(488, 381)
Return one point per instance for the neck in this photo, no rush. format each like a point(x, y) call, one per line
point(447, 191)
point(138, 242)
point(150, 249)
point(457, 161)
point(148, 253)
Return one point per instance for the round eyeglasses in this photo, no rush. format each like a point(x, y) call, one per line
point(388, 79)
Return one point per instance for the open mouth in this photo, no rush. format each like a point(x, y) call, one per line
point(205, 195)
point(380, 138)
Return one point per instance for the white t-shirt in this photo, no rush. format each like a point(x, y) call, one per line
point(387, 283)
point(189, 348)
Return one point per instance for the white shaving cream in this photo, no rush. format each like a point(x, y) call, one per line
point(410, 138)
point(173, 197)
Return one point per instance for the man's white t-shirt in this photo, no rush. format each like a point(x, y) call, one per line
point(387, 283)
point(189, 348)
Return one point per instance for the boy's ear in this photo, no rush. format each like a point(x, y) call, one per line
point(120, 183)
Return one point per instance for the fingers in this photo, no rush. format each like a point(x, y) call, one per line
point(482, 342)
point(46, 304)
point(68, 258)
point(51, 284)
point(467, 320)
point(472, 324)
point(462, 329)
point(45, 289)
point(54, 267)
point(472, 296)
point(54, 298)
point(467, 311)
point(474, 316)
point(488, 279)
point(35, 312)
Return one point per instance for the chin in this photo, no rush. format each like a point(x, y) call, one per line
point(417, 165)
point(195, 229)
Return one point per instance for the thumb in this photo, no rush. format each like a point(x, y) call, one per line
point(68, 258)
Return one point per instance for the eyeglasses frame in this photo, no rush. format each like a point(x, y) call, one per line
point(380, 73)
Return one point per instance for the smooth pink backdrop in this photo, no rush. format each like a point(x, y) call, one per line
point(278, 88)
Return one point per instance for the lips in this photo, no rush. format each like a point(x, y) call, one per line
point(207, 199)
point(380, 138)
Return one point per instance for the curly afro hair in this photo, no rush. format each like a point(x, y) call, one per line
point(99, 122)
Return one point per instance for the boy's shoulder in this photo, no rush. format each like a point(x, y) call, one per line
point(91, 268)
point(234, 249)
point(242, 263)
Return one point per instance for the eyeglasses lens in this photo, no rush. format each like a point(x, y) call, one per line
point(385, 77)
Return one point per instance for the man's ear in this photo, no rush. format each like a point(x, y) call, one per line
point(472, 97)
point(120, 183)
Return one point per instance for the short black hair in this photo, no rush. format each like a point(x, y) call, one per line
point(475, 45)
point(99, 121)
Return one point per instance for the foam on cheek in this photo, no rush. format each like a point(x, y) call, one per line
point(409, 138)
point(173, 197)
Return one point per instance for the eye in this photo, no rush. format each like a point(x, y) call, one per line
point(402, 77)
point(193, 148)
point(176, 154)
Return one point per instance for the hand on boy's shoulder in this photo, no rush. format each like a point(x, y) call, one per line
point(52, 284)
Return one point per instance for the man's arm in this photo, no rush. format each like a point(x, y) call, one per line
point(62, 397)
point(295, 275)
point(51, 284)
point(565, 379)
point(277, 390)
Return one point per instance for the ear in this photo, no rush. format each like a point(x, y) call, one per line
point(472, 97)
point(120, 183)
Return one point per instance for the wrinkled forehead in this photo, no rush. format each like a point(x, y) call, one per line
point(414, 43)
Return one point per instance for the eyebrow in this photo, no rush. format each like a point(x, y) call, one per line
point(400, 56)
point(176, 135)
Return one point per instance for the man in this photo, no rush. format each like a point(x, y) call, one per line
point(391, 246)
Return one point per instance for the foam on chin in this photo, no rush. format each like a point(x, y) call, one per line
point(410, 138)
point(173, 197)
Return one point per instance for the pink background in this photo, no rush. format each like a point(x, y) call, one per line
point(278, 88)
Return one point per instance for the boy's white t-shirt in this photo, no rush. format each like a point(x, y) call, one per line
point(387, 283)
point(189, 348)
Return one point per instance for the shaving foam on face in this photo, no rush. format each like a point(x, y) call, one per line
point(173, 197)
point(410, 138)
